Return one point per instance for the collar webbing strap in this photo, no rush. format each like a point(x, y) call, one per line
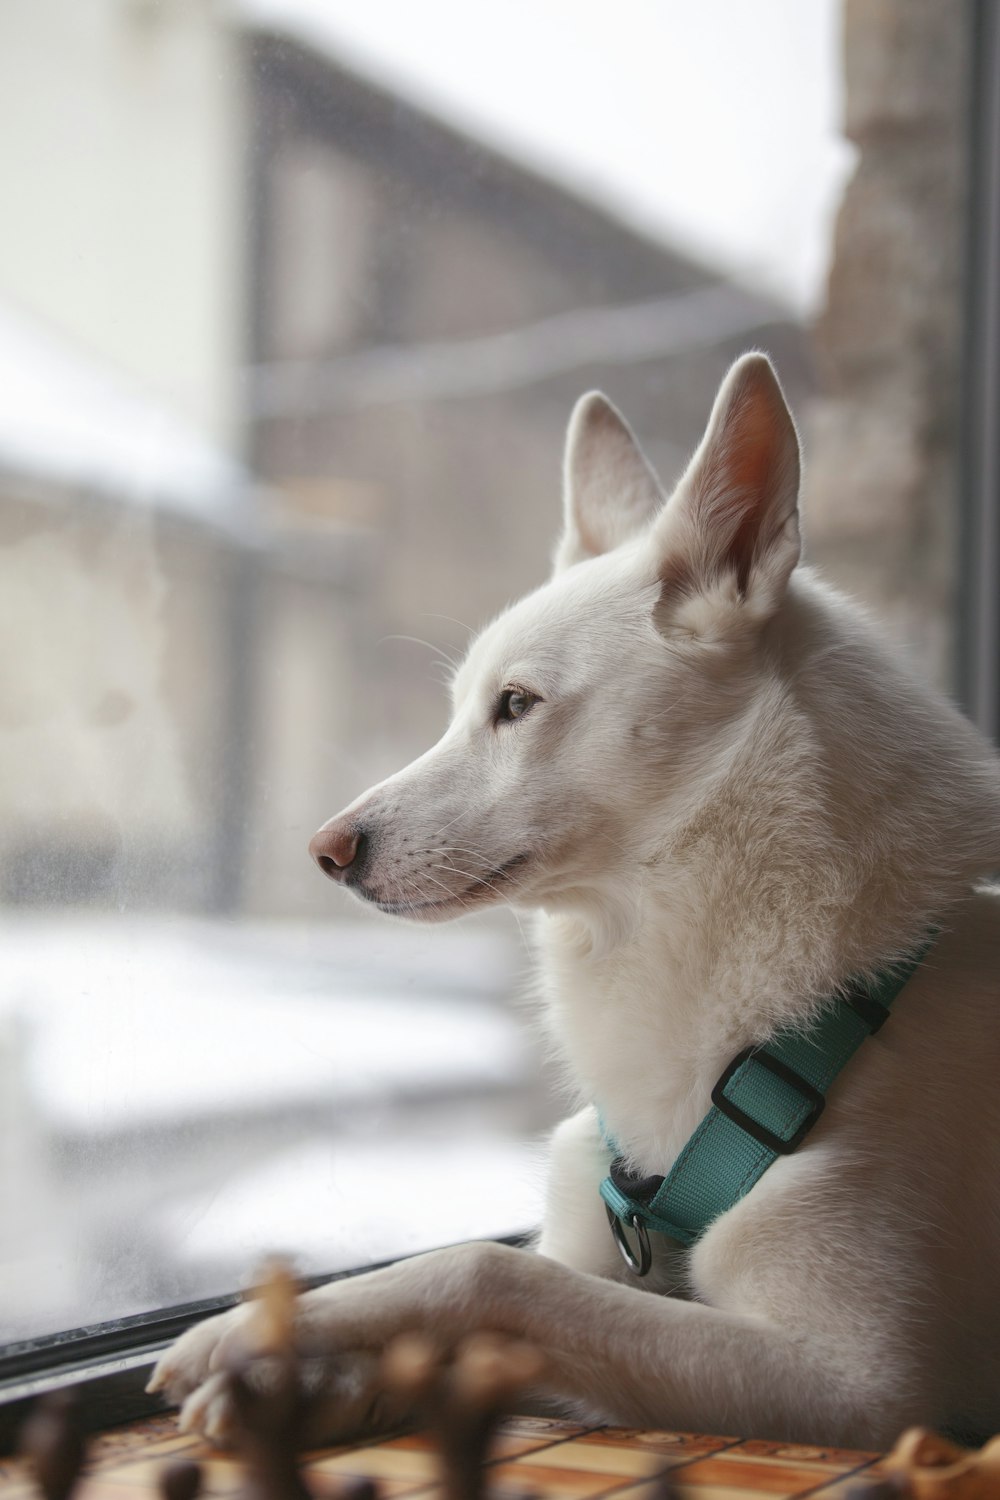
point(763, 1106)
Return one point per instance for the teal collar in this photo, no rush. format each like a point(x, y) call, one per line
point(763, 1106)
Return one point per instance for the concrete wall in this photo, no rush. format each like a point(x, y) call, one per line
point(881, 477)
point(122, 184)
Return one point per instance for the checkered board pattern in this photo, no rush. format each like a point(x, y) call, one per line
point(530, 1455)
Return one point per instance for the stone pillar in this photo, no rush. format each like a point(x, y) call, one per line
point(881, 463)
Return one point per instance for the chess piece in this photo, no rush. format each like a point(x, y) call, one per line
point(267, 1430)
point(411, 1368)
point(486, 1376)
point(358, 1487)
point(180, 1479)
point(269, 1407)
point(888, 1487)
point(462, 1401)
point(664, 1487)
point(931, 1467)
point(271, 1329)
point(53, 1443)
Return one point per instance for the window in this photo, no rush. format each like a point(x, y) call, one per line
point(294, 304)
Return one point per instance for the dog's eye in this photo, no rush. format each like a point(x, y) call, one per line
point(514, 704)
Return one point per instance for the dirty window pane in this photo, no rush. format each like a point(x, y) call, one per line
point(295, 299)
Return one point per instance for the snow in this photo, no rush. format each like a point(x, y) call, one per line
point(331, 1207)
point(131, 1023)
point(182, 1097)
point(66, 419)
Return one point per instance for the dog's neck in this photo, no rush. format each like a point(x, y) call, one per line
point(849, 815)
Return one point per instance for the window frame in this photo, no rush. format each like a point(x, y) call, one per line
point(107, 1365)
point(977, 666)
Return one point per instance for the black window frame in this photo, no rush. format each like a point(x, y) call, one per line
point(977, 665)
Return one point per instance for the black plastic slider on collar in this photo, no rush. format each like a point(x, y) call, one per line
point(874, 1014)
point(639, 1188)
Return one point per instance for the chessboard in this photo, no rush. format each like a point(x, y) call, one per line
point(528, 1456)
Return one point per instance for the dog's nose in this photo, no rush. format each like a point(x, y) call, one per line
point(339, 849)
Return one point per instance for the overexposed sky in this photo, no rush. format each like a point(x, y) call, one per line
point(711, 123)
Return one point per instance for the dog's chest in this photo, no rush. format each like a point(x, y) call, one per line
point(630, 1032)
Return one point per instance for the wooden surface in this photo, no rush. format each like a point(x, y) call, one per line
point(530, 1455)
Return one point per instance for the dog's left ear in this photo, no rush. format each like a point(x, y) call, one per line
point(731, 530)
point(610, 490)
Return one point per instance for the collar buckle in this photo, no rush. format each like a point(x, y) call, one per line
point(780, 1145)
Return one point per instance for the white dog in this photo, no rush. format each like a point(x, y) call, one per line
point(733, 807)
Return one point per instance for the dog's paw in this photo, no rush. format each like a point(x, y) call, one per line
point(210, 1411)
point(342, 1399)
point(185, 1367)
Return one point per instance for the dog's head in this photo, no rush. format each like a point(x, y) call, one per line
point(586, 715)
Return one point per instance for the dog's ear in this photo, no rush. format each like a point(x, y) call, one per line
point(731, 530)
point(610, 491)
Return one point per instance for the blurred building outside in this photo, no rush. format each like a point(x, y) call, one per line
point(409, 319)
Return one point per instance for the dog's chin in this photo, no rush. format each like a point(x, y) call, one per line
point(429, 911)
point(486, 890)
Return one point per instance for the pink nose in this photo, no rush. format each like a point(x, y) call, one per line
point(337, 848)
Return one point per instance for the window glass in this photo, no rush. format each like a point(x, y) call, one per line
point(295, 300)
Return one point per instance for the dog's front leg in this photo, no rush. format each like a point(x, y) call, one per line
point(621, 1355)
point(618, 1354)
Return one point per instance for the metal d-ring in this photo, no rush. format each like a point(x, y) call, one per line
point(640, 1264)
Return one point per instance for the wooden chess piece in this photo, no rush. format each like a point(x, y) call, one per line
point(180, 1479)
point(486, 1376)
point(664, 1487)
point(271, 1329)
point(931, 1467)
point(358, 1487)
point(52, 1441)
point(886, 1487)
point(270, 1407)
point(461, 1401)
point(267, 1431)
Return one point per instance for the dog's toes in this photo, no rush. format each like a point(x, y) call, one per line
point(184, 1367)
point(209, 1411)
point(170, 1380)
point(230, 1347)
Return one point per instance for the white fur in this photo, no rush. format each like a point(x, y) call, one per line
point(728, 798)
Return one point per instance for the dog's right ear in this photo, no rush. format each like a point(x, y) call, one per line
point(610, 491)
